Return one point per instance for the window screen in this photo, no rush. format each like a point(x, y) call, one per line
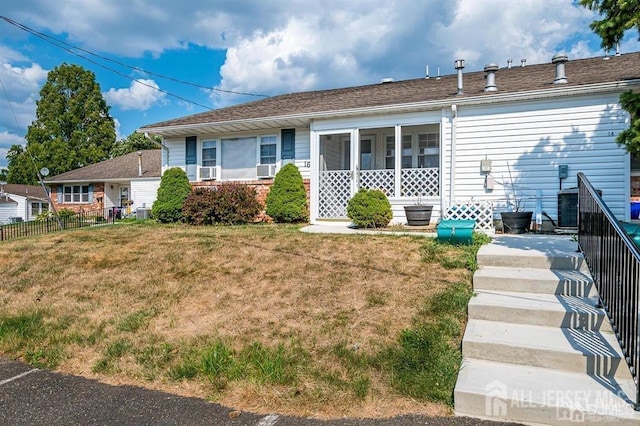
point(239, 158)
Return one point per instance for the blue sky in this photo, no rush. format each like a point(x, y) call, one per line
point(267, 48)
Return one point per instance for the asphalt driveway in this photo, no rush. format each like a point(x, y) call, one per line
point(37, 397)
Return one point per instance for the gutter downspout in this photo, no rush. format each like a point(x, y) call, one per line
point(162, 145)
point(452, 166)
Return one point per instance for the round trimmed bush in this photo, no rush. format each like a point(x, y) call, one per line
point(369, 208)
point(287, 200)
point(174, 189)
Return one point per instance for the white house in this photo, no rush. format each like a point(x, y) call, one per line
point(481, 137)
point(21, 202)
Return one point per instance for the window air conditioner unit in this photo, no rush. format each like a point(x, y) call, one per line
point(207, 173)
point(265, 170)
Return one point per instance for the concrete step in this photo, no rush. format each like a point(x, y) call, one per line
point(550, 310)
point(513, 393)
point(530, 280)
point(532, 251)
point(575, 350)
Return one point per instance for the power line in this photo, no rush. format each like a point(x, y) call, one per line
point(68, 48)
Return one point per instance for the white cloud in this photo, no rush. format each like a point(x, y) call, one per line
point(6, 140)
point(141, 95)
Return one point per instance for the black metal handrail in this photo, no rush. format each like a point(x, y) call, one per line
point(50, 224)
point(614, 263)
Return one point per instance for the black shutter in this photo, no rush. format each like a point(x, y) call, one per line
point(191, 150)
point(288, 144)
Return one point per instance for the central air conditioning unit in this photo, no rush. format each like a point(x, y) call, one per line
point(568, 207)
point(265, 171)
point(207, 173)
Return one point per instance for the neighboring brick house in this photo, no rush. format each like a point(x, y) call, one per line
point(130, 181)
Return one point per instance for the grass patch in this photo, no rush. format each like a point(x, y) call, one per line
point(262, 318)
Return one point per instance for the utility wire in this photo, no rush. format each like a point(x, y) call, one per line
point(72, 50)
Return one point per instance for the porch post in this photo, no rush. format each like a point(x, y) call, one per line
point(314, 141)
point(355, 161)
point(398, 160)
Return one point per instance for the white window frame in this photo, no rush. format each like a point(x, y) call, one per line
point(72, 194)
point(268, 140)
point(429, 151)
point(41, 208)
point(214, 146)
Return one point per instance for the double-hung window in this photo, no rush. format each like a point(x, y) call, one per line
point(267, 150)
point(208, 153)
point(38, 207)
point(76, 194)
point(429, 150)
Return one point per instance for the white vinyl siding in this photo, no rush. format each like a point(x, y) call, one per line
point(144, 192)
point(532, 140)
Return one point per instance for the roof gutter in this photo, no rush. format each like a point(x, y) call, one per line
point(406, 107)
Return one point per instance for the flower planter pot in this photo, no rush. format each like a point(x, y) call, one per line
point(418, 215)
point(516, 222)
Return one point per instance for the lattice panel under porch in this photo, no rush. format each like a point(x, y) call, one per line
point(480, 211)
point(420, 182)
point(383, 180)
point(334, 194)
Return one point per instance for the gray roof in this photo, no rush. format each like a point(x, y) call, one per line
point(124, 167)
point(28, 191)
point(298, 107)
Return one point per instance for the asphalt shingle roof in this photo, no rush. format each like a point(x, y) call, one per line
point(29, 191)
point(123, 167)
point(508, 80)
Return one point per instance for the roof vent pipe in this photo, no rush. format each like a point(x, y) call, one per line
point(459, 65)
point(523, 63)
point(140, 163)
point(559, 60)
point(618, 49)
point(509, 63)
point(491, 69)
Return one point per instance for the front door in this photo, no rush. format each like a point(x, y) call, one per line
point(124, 197)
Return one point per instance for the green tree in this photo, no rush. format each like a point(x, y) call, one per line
point(174, 189)
point(287, 199)
point(618, 16)
point(72, 128)
point(134, 142)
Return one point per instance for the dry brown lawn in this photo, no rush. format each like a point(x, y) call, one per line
point(267, 284)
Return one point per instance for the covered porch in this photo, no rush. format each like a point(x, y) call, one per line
point(403, 161)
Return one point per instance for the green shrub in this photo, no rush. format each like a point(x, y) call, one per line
point(228, 203)
point(174, 189)
point(235, 203)
point(369, 208)
point(287, 199)
point(198, 207)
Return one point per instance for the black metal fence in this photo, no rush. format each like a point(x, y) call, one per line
point(50, 224)
point(614, 263)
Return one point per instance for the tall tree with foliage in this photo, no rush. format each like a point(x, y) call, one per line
point(618, 16)
point(134, 142)
point(72, 128)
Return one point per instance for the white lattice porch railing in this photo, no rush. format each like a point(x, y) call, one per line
point(383, 180)
point(334, 193)
point(420, 182)
point(480, 211)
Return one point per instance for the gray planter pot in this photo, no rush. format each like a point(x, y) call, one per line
point(516, 222)
point(418, 215)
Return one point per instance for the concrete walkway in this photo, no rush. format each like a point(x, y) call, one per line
point(344, 228)
point(536, 349)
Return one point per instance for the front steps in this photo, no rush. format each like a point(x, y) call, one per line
point(536, 349)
